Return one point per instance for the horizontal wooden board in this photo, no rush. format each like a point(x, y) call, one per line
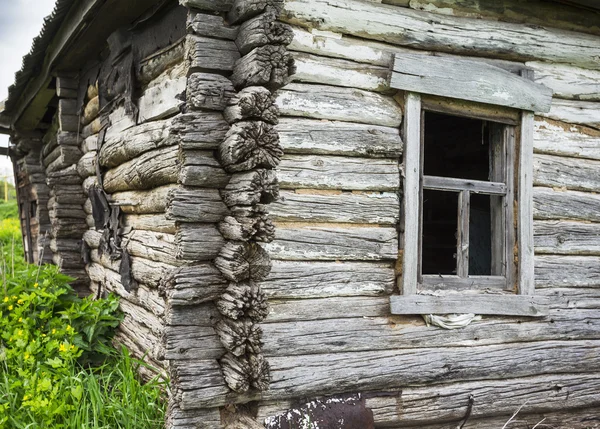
point(489, 304)
point(206, 53)
point(458, 185)
point(468, 80)
point(336, 72)
point(566, 237)
point(323, 137)
point(143, 202)
point(551, 203)
point(309, 279)
point(575, 112)
point(426, 30)
point(567, 81)
point(377, 370)
point(200, 168)
point(196, 205)
point(347, 207)
point(150, 222)
point(336, 172)
point(562, 139)
point(333, 243)
point(338, 104)
point(192, 342)
point(567, 271)
point(198, 242)
point(570, 173)
point(162, 100)
point(407, 332)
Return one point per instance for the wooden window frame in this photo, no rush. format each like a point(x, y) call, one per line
point(512, 295)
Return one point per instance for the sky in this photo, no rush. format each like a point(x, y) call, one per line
point(20, 22)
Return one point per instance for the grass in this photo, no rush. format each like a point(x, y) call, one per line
point(58, 368)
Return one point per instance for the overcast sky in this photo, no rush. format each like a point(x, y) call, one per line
point(20, 22)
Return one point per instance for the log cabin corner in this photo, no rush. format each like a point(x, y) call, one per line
point(335, 214)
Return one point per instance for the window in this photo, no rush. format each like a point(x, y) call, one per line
point(467, 236)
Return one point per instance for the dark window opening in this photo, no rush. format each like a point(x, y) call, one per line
point(33, 208)
point(458, 148)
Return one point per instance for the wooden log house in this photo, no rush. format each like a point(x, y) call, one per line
point(290, 196)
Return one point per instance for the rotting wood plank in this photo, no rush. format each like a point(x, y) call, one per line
point(468, 80)
point(336, 103)
point(336, 172)
point(426, 30)
point(333, 243)
point(312, 206)
point(313, 136)
point(156, 222)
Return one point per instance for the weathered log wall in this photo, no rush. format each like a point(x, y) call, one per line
point(335, 243)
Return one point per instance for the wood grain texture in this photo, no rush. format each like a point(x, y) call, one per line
point(196, 205)
point(206, 53)
point(375, 208)
point(333, 243)
point(507, 305)
point(143, 202)
point(426, 30)
point(562, 139)
point(560, 204)
point(200, 168)
point(468, 80)
point(524, 216)
point(311, 136)
point(198, 242)
point(575, 112)
point(567, 81)
point(567, 271)
point(339, 104)
point(336, 172)
point(570, 173)
point(209, 91)
point(162, 100)
point(566, 238)
point(193, 285)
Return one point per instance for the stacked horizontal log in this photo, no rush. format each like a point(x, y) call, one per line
point(33, 195)
point(60, 156)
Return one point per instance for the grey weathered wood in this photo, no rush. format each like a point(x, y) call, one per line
point(150, 222)
point(337, 72)
point(192, 342)
point(210, 5)
point(134, 142)
point(239, 261)
point(200, 168)
point(193, 285)
point(333, 243)
point(249, 145)
point(252, 103)
point(525, 207)
point(163, 99)
point(451, 282)
point(310, 136)
point(507, 305)
point(199, 130)
point(566, 238)
point(412, 200)
point(243, 10)
point(203, 24)
point(262, 30)
point(426, 30)
point(209, 91)
point(336, 172)
point(251, 188)
point(569, 82)
point(143, 202)
point(313, 206)
point(149, 170)
point(575, 112)
point(570, 173)
point(155, 246)
point(458, 185)
point(338, 104)
point(91, 111)
point(468, 80)
point(322, 336)
point(543, 394)
point(558, 138)
point(397, 368)
point(210, 418)
point(560, 204)
point(198, 242)
point(86, 166)
point(154, 65)
point(302, 279)
point(471, 109)
point(268, 66)
point(211, 54)
point(196, 205)
point(567, 271)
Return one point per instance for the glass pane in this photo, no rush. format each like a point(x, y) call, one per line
point(440, 221)
point(480, 236)
point(456, 147)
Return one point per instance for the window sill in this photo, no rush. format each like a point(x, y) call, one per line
point(485, 304)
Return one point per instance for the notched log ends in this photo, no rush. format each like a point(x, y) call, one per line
point(249, 145)
point(251, 188)
point(243, 373)
point(268, 66)
point(243, 300)
point(254, 102)
point(240, 337)
point(239, 262)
